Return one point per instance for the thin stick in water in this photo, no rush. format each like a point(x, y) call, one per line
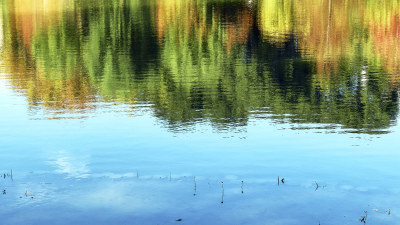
point(222, 199)
point(242, 187)
point(195, 189)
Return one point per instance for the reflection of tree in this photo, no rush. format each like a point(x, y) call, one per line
point(384, 26)
point(210, 60)
point(328, 30)
point(41, 58)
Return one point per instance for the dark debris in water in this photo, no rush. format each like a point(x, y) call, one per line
point(10, 175)
point(364, 218)
point(317, 186)
point(178, 219)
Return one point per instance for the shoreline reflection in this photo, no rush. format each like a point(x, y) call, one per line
point(212, 61)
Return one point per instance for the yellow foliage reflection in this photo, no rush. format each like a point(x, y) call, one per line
point(329, 30)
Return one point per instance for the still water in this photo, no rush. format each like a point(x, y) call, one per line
point(199, 112)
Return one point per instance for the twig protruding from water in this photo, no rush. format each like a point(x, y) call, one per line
point(195, 189)
point(222, 199)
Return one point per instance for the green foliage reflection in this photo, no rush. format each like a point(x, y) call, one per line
point(217, 61)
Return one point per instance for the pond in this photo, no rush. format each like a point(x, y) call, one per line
point(199, 112)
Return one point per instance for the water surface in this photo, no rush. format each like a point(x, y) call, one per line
point(165, 112)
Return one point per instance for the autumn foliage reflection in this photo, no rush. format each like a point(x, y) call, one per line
point(323, 61)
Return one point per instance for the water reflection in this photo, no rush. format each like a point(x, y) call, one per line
point(160, 200)
point(224, 62)
point(75, 167)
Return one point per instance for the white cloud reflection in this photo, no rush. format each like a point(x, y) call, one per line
point(73, 166)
